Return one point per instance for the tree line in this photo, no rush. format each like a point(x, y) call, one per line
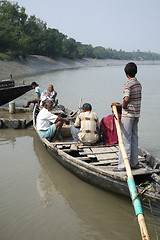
point(22, 35)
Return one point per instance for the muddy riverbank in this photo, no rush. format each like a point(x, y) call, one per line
point(38, 64)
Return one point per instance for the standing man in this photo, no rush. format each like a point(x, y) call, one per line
point(130, 117)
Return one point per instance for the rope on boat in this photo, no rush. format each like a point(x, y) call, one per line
point(142, 191)
point(154, 223)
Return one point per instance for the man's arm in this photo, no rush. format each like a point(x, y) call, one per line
point(38, 97)
point(123, 105)
point(62, 120)
point(77, 122)
point(125, 102)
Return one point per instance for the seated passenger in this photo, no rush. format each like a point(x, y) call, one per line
point(50, 94)
point(108, 128)
point(86, 127)
point(38, 91)
point(49, 124)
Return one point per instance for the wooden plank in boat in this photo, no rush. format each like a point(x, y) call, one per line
point(63, 143)
point(107, 156)
point(92, 146)
point(88, 152)
point(105, 168)
point(59, 146)
point(140, 171)
point(141, 159)
point(114, 148)
point(67, 145)
point(104, 162)
point(144, 171)
point(97, 153)
point(103, 150)
point(66, 150)
point(83, 158)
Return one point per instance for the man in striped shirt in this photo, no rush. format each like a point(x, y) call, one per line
point(86, 126)
point(130, 116)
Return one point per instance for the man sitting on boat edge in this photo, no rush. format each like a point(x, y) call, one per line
point(49, 124)
point(86, 127)
point(38, 91)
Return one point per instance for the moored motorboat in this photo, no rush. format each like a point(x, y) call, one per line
point(95, 163)
point(10, 91)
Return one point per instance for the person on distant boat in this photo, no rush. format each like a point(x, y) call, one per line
point(49, 124)
point(108, 128)
point(86, 127)
point(38, 91)
point(130, 116)
point(50, 94)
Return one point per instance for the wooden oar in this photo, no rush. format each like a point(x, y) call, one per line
point(78, 110)
point(130, 181)
point(80, 105)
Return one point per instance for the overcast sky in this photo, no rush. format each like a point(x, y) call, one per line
point(118, 24)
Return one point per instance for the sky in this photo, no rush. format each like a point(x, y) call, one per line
point(129, 25)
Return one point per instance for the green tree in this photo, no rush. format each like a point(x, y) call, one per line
point(34, 28)
point(69, 48)
point(51, 42)
point(100, 52)
point(12, 22)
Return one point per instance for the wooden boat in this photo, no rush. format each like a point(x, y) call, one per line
point(9, 91)
point(94, 164)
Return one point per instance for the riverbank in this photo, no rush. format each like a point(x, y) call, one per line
point(40, 64)
point(36, 64)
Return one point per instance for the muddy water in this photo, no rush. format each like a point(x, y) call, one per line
point(42, 200)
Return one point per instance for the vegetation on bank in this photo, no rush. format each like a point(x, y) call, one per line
point(22, 35)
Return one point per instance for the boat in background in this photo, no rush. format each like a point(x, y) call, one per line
point(95, 164)
point(10, 91)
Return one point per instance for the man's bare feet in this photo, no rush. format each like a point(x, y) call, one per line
point(80, 144)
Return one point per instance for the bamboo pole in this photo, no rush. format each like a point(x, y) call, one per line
point(130, 181)
point(80, 105)
point(79, 109)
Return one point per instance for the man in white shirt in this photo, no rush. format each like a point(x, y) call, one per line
point(49, 124)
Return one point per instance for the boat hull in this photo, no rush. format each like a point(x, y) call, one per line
point(11, 93)
point(90, 174)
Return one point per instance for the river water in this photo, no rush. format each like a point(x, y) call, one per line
point(42, 200)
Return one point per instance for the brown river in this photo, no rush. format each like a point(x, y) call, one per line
point(42, 200)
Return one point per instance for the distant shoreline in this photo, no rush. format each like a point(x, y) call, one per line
point(36, 64)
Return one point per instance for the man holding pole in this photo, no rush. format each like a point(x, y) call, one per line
point(130, 116)
point(129, 123)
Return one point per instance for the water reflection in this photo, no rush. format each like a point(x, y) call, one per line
point(9, 136)
point(46, 189)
